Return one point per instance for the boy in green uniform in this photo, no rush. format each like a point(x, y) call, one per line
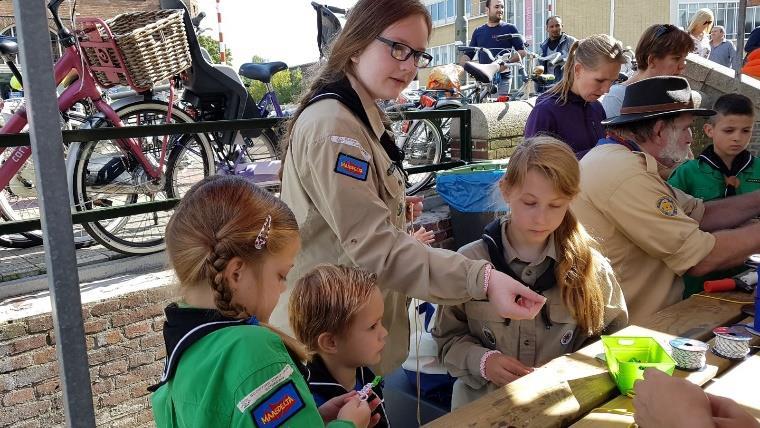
point(724, 168)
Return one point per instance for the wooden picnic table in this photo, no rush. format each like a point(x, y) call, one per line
point(576, 389)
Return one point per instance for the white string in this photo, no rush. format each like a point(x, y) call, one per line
point(689, 354)
point(731, 345)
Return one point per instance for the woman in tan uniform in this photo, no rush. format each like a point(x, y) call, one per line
point(542, 244)
point(342, 176)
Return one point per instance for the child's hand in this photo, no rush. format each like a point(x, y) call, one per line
point(425, 236)
point(413, 207)
point(356, 411)
point(503, 293)
point(501, 369)
point(330, 409)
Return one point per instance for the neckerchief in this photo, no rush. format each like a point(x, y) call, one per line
point(612, 138)
point(741, 162)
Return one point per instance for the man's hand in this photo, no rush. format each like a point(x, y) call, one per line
point(656, 404)
point(513, 299)
point(501, 369)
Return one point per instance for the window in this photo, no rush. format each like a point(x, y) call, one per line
point(451, 10)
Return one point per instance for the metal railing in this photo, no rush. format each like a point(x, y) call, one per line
point(84, 135)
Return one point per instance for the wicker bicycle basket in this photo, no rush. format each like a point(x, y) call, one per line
point(136, 49)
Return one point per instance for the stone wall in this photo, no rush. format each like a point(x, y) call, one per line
point(497, 128)
point(714, 80)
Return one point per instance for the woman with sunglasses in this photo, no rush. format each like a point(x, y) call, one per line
point(342, 176)
point(661, 51)
point(699, 30)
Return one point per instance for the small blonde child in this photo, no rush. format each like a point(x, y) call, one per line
point(337, 311)
point(541, 244)
point(231, 245)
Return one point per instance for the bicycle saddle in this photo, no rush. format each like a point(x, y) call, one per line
point(262, 72)
point(8, 46)
point(483, 73)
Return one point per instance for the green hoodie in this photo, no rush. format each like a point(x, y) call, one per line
point(237, 376)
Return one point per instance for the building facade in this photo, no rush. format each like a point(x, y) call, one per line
point(624, 19)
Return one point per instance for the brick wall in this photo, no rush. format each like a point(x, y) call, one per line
point(126, 355)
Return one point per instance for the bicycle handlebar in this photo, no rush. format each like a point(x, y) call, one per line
point(501, 37)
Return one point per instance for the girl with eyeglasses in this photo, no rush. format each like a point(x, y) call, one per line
point(699, 29)
point(661, 51)
point(342, 175)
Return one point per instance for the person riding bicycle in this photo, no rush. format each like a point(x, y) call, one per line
point(485, 37)
point(558, 41)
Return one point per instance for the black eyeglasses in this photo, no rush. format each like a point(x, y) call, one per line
point(664, 29)
point(402, 52)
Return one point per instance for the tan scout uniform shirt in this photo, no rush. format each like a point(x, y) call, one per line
point(467, 331)
point(648, 230)
point(346, 220)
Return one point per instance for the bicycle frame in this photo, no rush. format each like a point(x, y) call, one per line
point(82, 89)
point(270, 98)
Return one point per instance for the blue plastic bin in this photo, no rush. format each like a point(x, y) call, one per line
point(473, 197)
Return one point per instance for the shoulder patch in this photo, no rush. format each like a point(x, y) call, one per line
point(352, 167)
point(353, 143)
point(280, 406)
point(667, 206)
point(265, 388)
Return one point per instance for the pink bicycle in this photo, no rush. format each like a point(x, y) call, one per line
point(106, 173)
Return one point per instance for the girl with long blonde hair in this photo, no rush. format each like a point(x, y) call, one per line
point(541, 244)
point(231, 245)
point(570, 110)
point(699, 29)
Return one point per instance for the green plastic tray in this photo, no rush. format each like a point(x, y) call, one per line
point(628, 357)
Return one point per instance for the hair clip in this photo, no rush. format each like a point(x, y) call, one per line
point(261, 239)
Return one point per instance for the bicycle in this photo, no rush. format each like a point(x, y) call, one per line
point(213, 92)
point(110, 173)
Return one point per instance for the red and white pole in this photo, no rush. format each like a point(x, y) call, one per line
point(222, 48)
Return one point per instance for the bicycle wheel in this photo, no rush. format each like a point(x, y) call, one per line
point(423, 146)
point(105, 175)
point(264, 147)
point(19, 201)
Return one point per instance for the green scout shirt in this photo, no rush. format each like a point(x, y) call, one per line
point(703, 179)
point(239, 376)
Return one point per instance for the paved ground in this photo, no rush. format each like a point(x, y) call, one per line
point(21, 263)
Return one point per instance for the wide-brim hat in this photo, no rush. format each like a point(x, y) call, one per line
point(656, 97)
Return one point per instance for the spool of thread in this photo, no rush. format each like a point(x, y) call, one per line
point(718, 285)
point(689, 354)
point(731, 342)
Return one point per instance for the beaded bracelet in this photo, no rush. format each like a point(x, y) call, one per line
point(487, 276)
point(483, 363)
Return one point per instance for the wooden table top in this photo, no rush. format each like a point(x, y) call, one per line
point(565, 389)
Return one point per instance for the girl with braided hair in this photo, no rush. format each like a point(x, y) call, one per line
point(231, 245)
